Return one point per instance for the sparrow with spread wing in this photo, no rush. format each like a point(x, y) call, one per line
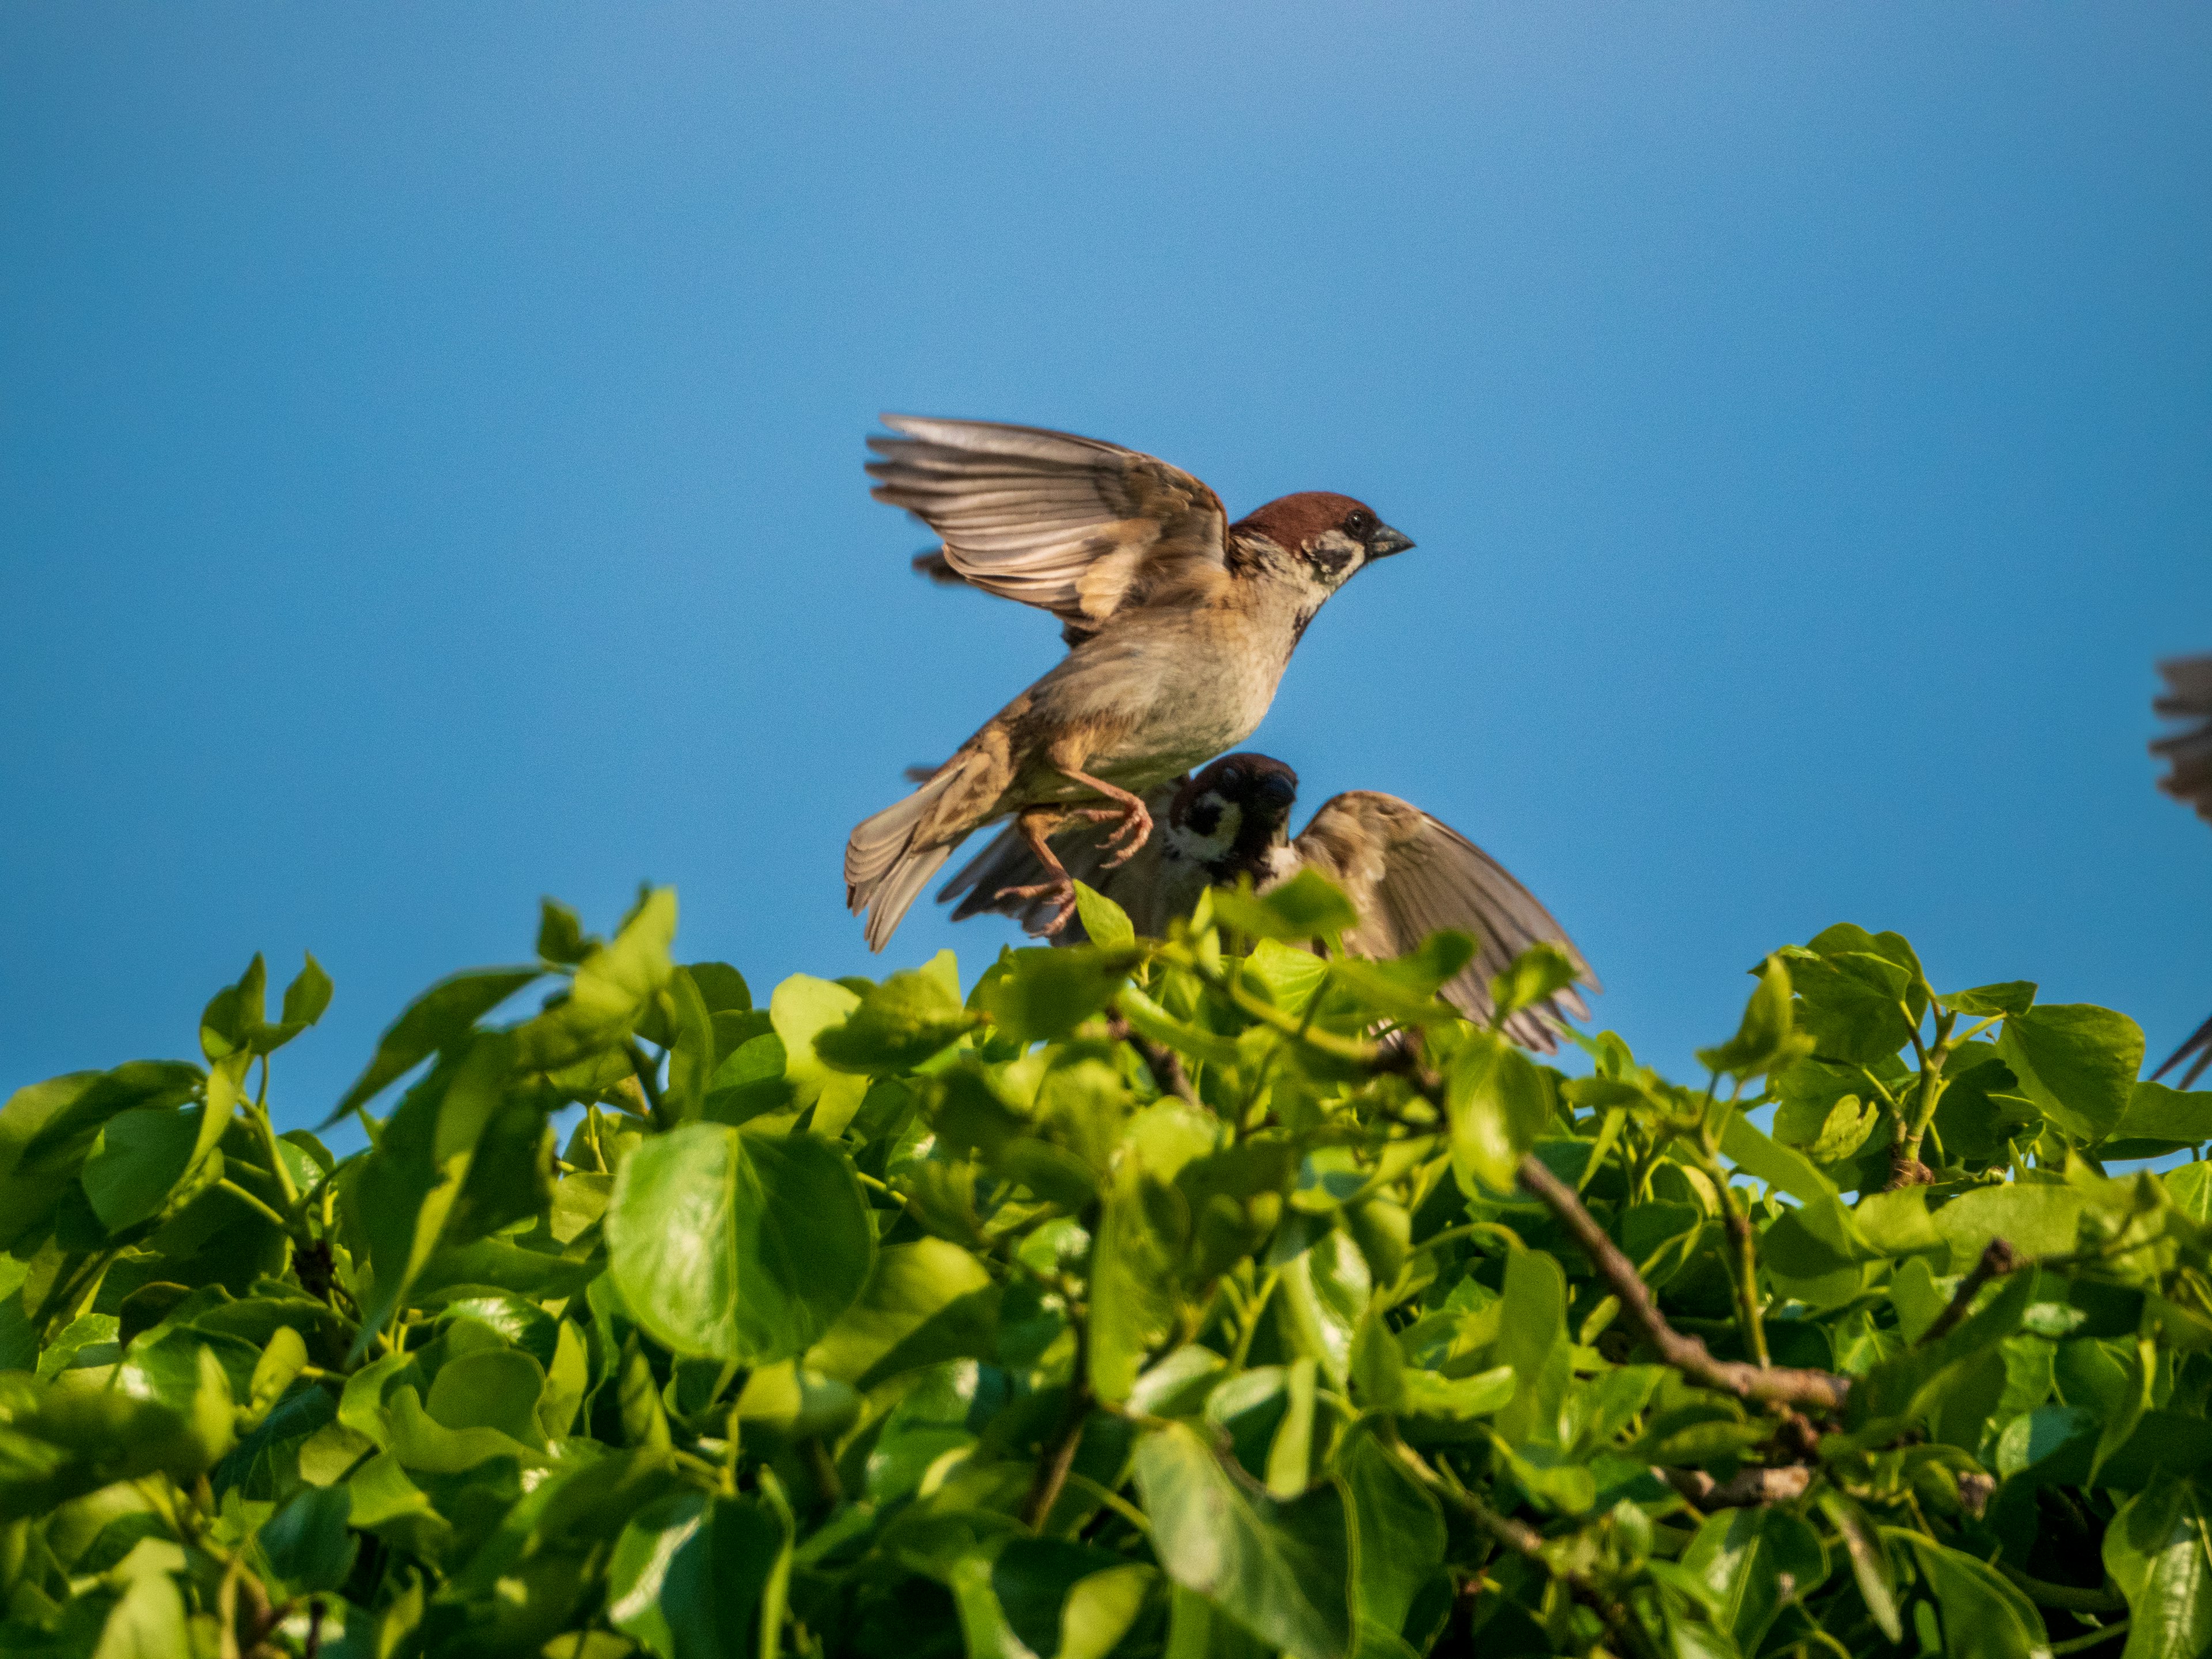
point(1408, 874)
point(2188, 696)
point(1180, 622)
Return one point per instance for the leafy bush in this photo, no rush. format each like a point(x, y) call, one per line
point(1183, 1297)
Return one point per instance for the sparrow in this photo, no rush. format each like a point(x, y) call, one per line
point(1408, 874)
point(2188, 696)
point(1180, 624)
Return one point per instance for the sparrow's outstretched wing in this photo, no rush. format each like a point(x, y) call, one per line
point(1411, 876)
point(1070, 524)
point(2188, 781)
point(1007, 862)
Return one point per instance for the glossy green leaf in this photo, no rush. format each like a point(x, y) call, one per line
point(1983, 1616)
point(1282, 1570)
point(2077, 1062)
point(736, 1247)
point(689, 1573)
point(438, 1018)
point(1755, 1562)
point(1306, 907)
point(1767, 1039)
point(2158, 1550)
point(897, 1025)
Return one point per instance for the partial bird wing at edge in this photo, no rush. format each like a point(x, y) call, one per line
point(1073, 526)
point(2188, 751)
point(2188, 781)
point(1432, 877)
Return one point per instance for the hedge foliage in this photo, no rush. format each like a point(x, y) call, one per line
point(1199, 1296)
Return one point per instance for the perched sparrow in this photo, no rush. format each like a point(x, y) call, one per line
point(1408, 876)
point(1180, 624)
point(2188, 696)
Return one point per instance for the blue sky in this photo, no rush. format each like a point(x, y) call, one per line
point(430, 445)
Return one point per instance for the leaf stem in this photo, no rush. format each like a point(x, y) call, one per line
point(244, 1197)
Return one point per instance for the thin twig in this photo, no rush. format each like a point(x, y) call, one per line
point(647, 1084)
point(1997, 1259)
point(1165, 1064)
point(1772, 1385)
point(1058, 1455)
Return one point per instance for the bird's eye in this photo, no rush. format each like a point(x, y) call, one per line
point(1359, 524)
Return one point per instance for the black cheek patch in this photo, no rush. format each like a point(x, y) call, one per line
point(1204, 817)
point(1330, 561)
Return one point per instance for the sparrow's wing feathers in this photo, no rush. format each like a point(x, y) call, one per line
point(2188, 751)
point(1070, 524)
point(981, 884)
point(1417, 876)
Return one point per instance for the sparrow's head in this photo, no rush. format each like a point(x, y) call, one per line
point(1233, 815)
point(1317, 539)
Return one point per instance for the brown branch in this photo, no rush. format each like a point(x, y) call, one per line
point(1760, 1385)
point(1746, 1489)
point(1165, 1064)
point(1057, 1457)
point(1997, 1259)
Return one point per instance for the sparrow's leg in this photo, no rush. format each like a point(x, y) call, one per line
point(1036, 824)
point(1134, 827)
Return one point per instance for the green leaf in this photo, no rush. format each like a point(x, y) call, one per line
point(2076, 1061)
point(2158, 1550)
point(689, 1572)
point(1399, 1529)
point(1871, 1567)
point(1105, 922)
point(691, 1056)
point(1281, 1569)
point(139, 1157)
point(307, 1542)
point(1308, 906)
point(897, 1025)
point(437, 1019)
point(1852, 994)
point(1533, 1340)
point(612, 988)
point(308, 996)
point(925, 1303)
point(235, 1013)
point(148, 1621)
point(1535, 976)
point(736, 1247)
point(1498, 1105)
point(1778, 1166)
point(1767, 1039)
point(1983, 1616)
point(1755, 1562)
point(1044, 994)
point(2155, 1112)
point(2013, 996)
point(802, 1008)
point(561, 936)
point(1133, 1302)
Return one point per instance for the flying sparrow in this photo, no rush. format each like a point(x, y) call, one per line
point(2188, 696)
point(1408, 875)
point(1180, 624)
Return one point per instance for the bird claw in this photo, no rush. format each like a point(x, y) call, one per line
point(1061, 895)
point(1134, 829)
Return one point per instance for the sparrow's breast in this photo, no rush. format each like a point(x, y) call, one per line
point(1179, 688)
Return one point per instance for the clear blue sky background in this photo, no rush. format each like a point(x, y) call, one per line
point(430, 472)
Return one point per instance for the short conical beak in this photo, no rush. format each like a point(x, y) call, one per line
point(1386, 540)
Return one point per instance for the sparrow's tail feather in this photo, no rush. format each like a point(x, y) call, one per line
point(887, 864)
